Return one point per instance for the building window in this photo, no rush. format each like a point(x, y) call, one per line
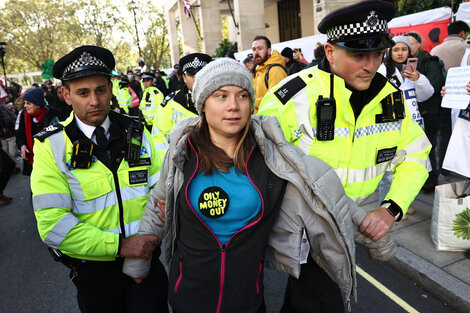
point(289, 19)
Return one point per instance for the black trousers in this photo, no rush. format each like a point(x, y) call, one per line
point(7, 166)
point(313, 292)
point(102, 287)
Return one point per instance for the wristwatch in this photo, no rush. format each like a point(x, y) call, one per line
point(391, 209)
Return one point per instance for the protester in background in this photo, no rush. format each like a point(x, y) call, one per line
point(435, 118)
point(250, 66)
point(8, 117)
point(230, 54)
point(270, 68)
point(299, 56)
point(415, 86)
point(243, 163)
point(319, 54)
point(292, 66)
point(59, 104)
point(35, 117)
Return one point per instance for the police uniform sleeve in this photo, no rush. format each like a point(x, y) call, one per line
point(409, 164)
point(53, 205)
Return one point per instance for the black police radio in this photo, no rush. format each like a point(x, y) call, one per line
point(134, 142)
point(393, 108)
point(326, 115)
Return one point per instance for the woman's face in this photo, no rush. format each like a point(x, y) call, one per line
point(400, 52)
point(415, 46)
point(30, 107)
point(227, 111)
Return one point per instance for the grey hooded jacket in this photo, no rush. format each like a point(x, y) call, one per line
point(314, 201)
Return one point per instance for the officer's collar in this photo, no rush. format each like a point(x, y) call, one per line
point(88, 130)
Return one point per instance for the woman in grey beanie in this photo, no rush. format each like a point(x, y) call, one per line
point(224, 180)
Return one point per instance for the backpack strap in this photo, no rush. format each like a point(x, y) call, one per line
point(266, 77)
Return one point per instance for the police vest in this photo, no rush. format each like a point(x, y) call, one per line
point(151, 99)
point(124, 99)
point(169, 112)
point(77, 209)
point(362, 149)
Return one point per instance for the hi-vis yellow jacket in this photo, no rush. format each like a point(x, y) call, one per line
point(78, 210)
point(362, 149)
point(168, 113)
point(151, 99)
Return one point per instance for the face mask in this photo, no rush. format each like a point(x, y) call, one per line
point(130, 77)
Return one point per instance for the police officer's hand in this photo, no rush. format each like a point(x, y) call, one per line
point(138, 246)
point(377, 223)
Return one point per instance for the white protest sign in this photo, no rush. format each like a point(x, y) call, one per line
point(456, 94)
point(3, 93)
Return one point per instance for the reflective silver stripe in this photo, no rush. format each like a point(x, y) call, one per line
point(52, 200)
point(109, 199)
point(339, 132)
point(342, 173)
point(176, 116)
point(377, 129)
point(362, 175)
point(162, 146)
point(365, 199)
point(148, 108)
point(155, 131)
point(302, 112)
point(154, 179)
point(417, 146)
point(395, 161)
point(60, 230)
point(131, 229)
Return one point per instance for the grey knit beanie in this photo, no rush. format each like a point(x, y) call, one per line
point(219, 73)
point(403, 39)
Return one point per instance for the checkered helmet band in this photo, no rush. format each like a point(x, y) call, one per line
point(343, 32)
point(85, 59)
point(194, 64)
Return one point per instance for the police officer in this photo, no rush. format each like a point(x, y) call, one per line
point(352, 118)
point(178, 105)
point(151, 99)
point(90, 188)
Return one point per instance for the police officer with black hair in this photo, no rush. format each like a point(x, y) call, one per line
point(178, 105)
point(91, 179)
point(344, 113)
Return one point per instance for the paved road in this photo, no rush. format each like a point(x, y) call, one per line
point(30, 281)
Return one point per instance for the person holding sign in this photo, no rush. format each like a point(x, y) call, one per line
point(227, 178)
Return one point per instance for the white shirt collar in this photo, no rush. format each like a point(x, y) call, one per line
point(88, 130)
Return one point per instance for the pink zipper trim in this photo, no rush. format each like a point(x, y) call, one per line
point(222, 280)
point(222, 263)
point(179, 277)
point(257, 279)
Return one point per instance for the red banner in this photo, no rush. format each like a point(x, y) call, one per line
point(433, 33)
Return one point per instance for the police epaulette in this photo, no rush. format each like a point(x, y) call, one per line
point(167, 98)
point(290, 89)
point(49, 130)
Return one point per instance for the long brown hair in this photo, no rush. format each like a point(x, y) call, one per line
point(212, 157)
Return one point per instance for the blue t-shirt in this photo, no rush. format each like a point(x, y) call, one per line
point(226, 202)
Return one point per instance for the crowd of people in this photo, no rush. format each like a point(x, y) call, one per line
point(228, 166)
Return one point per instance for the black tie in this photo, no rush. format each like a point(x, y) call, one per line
point(100, 137)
